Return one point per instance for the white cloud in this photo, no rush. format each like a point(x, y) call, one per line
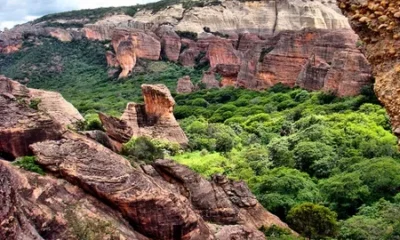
point(14, 12)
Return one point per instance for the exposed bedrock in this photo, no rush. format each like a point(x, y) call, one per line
point(30, 115)
point(44, 207)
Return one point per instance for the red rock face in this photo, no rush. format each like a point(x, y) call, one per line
point(131, 44)
point(313, 59)
point(209, 80)
point(170, 43)
point(21, 125)
point(27, 214)
point(111, 59)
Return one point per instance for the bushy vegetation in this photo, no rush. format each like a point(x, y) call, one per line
point(146, 150)
point(294, 147)
point(28, 163)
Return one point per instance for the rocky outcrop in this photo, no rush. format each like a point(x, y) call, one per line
point(57, 107)
point(184, 85)
point(130, 45)
point(318, 60)
point(44, 207)
point(170, 43)
point(90, 190)
point(221, 201)
point(154, 118)
point(238, 232)
point(31, 115)
point(21, 126)
point(156, 212)
point(378, 25)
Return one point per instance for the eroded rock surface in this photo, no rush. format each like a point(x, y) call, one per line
point(154, 118)
point(156, 212)
point(378, 25)
point(44, 207)
point(220, 201)
point(132, 44)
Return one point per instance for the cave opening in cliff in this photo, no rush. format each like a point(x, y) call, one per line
point(7, 156)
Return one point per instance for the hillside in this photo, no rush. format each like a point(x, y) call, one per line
point(281, 107)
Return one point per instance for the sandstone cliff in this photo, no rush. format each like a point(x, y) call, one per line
point(378, 25)
point(90, 190)
point(251, 44)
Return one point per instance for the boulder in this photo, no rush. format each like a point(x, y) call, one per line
point(184, 85)
point(116, 129)
point(237, 232)
point(154, 118)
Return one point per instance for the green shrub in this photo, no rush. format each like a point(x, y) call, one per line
point(92, 122)
point(34, 103)
point(29, 163)
point(187, 34)
point(142, 149)
point(313, 221)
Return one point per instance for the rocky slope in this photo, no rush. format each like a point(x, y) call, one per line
point(91, 191)
point(378, 25)
point(297, 43)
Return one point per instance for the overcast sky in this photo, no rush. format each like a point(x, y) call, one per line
point(14, 12)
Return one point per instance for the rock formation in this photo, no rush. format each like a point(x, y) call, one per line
point(90, 190)
point(45, 207)
point(184, 85)
point(22, 122)
point(130, 45)
point(260, 16)
point(378, 25)
point(154, 118)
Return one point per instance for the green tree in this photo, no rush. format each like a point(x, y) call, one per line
point(344, 192)
point(142, 149)
point(281, 188)
point(313, 221)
